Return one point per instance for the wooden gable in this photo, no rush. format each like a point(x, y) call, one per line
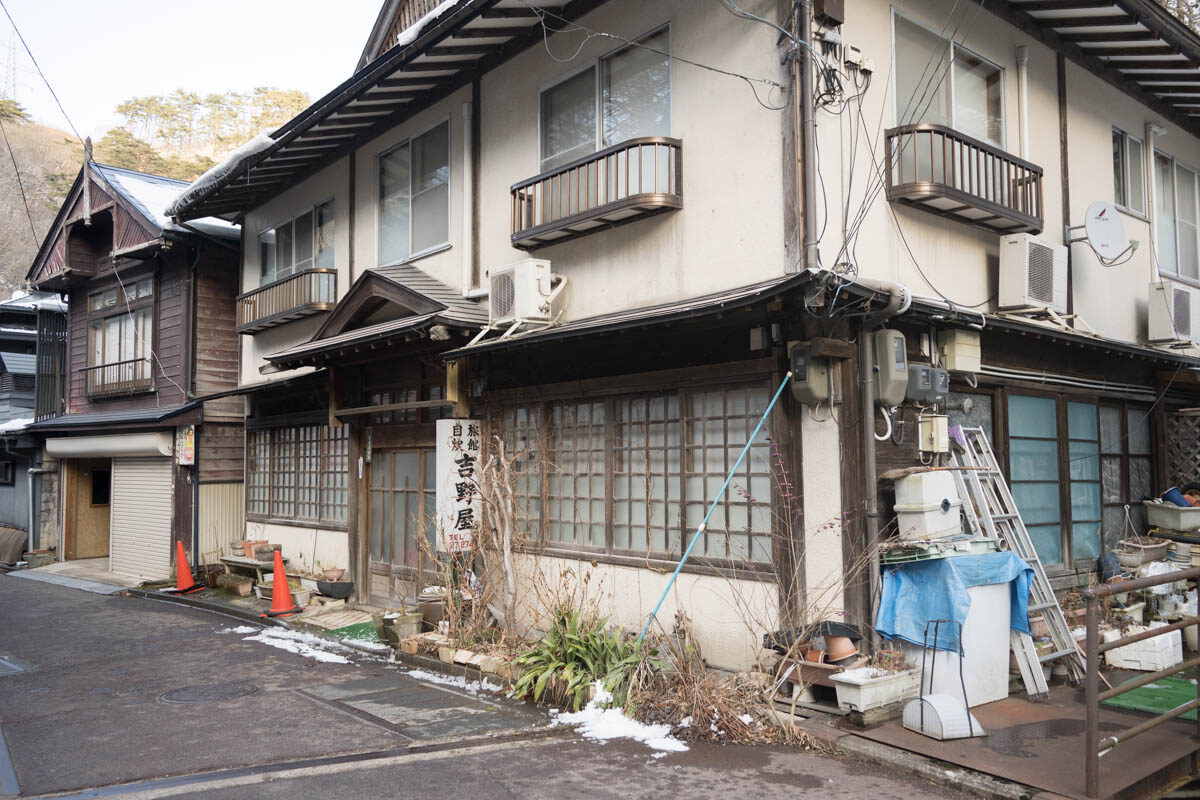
point(372, 299)
point(63, 253)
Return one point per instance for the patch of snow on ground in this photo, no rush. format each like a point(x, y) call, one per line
point(304, 644)
point(471, 687)
point(241, 629)
point(602, 724)
point(746, 719)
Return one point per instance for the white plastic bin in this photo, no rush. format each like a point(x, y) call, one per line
point(1171, 516)
point(929, 522)
point(861, 689)
point(926, 489)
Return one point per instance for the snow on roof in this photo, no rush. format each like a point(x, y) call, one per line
point(216, 174)
point(410, 34)
point(15, 425)
point(153, 195)
point(39, 301)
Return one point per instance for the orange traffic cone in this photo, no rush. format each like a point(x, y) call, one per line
point(282, 604)
point(184, 582)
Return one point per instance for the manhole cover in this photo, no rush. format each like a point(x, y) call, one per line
point(212, 693)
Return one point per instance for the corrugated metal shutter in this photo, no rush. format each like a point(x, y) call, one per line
point(141, 517)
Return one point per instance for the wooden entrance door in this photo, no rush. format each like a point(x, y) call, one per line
point(89, 489)
point(400, 511)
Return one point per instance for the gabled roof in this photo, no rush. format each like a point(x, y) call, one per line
point(152, 195)
point(137, 202)
point(419, 300)
point(439, 54)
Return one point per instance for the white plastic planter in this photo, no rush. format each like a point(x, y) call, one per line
point(866, 688)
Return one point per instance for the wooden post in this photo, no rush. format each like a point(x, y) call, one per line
point(456, 389)
point(335, 396)
point(1092, 700)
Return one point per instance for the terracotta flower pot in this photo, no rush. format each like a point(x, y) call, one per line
point(333, 574)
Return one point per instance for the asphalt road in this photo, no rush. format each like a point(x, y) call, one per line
point(88, 719)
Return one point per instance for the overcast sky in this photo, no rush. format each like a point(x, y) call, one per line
point(100, 53)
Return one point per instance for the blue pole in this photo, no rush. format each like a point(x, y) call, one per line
point(713, 507)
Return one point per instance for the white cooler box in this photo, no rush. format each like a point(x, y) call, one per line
point(928, 506)
point(1149, 655)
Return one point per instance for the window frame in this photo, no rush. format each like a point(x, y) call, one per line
point(267, 445)
point(378, 173)
point(101, 316)
point(596, 65)
point(1175, 274)
point(1126, 178)
point(609, 552)
point(954, 47)
point(331, 200)
point(1001, 444)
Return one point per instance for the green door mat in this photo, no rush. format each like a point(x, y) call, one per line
point(360, 632)
point(1158, 697)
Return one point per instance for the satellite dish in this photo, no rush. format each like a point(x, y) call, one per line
point(1105, 231)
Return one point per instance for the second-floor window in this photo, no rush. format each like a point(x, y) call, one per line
point(1128, 185)
point(940, 82)
point(624, 95)
point(121, 336)
point(1177, 249)
point(301, 243)
point(414, 196)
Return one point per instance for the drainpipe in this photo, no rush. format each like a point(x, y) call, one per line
point(899, 299)
point(808, 133)
point(1153, 131)
point(33, 472)
point(470, 243)
point(1023, 96)
point(196, 498)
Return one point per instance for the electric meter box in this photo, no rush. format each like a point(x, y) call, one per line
point(810, 376)
point(960, 350)
point(926, 384)
point(891, 367)
point(933, 433)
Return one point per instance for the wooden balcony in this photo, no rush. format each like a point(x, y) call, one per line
point(622, 183)
point(312, 291)
point(939, 170)
point(119, 378)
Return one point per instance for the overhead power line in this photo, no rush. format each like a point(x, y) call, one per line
point(20, 184)
point(39, 71)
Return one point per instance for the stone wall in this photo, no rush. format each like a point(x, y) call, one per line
point(49, 516)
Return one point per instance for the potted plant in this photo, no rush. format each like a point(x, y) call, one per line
point(887, 678)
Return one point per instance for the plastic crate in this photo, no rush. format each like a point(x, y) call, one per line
point(1171, 516)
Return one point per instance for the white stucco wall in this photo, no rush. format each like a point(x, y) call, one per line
point(305, 548)
point(728, 616)
point(959, 262)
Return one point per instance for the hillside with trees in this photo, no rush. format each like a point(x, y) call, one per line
point(178, 135)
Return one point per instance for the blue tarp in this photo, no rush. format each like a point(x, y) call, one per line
point(920, 591)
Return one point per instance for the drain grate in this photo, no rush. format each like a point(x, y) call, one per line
point(210, 693)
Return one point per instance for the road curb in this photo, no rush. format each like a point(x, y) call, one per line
point(972, 782)
point(205, 605)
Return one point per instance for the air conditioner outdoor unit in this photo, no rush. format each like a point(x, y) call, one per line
point(520, 291)
point(1033, 273)
point(1171, 310)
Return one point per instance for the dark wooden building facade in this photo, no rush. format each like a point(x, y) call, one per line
point(144, 458)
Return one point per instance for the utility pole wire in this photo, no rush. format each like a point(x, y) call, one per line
point(39, 71)
point(20, 185)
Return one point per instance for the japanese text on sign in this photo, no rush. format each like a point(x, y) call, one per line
point(458, 501)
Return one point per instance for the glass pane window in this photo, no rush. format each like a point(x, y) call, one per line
point(1033, 470)
point(414, 195)
point(941, 83)
point(303, 230)
point(324, 236)
point(1186, 222)
point(1119, 172)
point(637, 90)
point(1128, 184)
point(1083, 453)
point(1164, 179)
point(568, 120)
point(266, 257)
point(284, 253)
point(298, 473)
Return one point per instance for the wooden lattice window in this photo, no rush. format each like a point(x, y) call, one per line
point(298, 473)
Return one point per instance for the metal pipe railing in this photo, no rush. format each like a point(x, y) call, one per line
point(310, 290)
point(1094, 747)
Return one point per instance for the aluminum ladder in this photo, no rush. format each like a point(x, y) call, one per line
point(992, 512)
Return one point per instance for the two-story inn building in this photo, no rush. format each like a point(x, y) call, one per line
point(488, 220)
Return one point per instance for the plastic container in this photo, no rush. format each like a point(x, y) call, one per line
point(861, 690)
point(929, 522)
point(926, 489)
point(1172, 517)
point(1148, 655)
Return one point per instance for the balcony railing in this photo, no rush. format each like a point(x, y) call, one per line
point(119, 378)
point(939, 170)
point(301, 295)
point(628, 181)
